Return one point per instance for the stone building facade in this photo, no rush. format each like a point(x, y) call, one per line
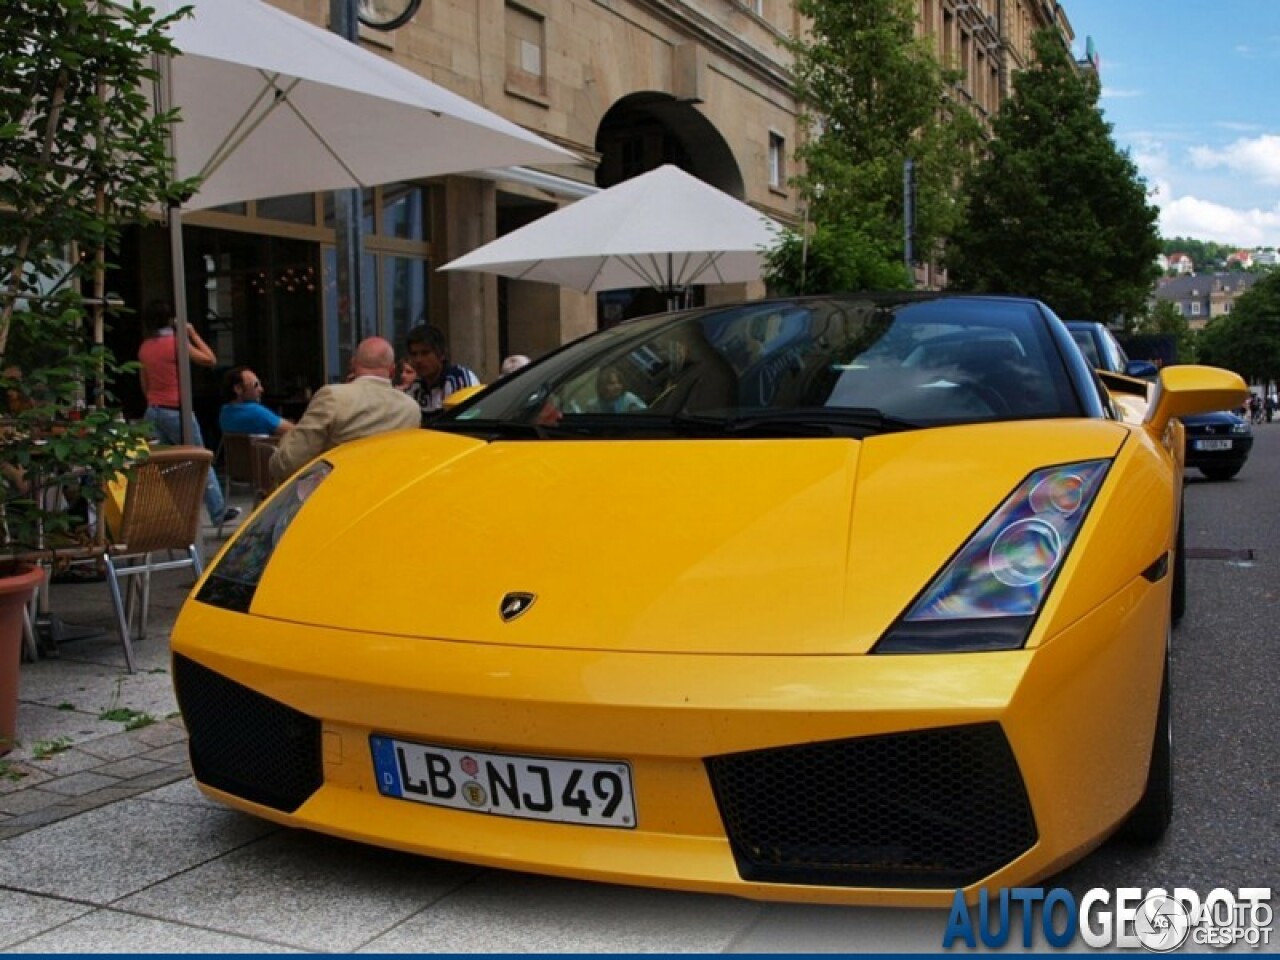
point(627, 85)
point(1203, 297)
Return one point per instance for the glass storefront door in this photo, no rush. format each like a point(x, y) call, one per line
point(257, 301)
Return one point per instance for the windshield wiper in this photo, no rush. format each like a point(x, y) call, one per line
point(506, 429)
point(799, 421)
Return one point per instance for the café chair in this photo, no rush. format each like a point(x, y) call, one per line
point(235, 454)
point(161, 513)
point(261, 449)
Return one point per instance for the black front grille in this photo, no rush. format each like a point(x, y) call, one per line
point(929, 809)
point(244, 743)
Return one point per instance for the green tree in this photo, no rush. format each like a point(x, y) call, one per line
point(876, 96)
point(82, 153)
point(1166, 318)
point(831, 259)
point(1056, 211)
point(1247, 340)
point(1207, 255)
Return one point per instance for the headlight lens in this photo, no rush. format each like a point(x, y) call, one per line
point(988, 596)
point(232, 583)
point(1241, 427)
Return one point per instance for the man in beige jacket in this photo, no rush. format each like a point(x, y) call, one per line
point(366, 404)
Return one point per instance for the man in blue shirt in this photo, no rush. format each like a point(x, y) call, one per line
point(243, 412)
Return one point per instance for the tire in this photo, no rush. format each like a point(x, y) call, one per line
point(1178, 604)
point(1151, 817)
point(1221, 473)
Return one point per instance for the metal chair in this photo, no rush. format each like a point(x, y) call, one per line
point(162, 507)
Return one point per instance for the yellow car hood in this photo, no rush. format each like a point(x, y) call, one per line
point(713, 546)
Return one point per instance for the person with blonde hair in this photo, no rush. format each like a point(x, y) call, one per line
point(368, 403)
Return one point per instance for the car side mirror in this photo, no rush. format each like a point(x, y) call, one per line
point(458, 397)
point(1142, 369)
point(1186, 389)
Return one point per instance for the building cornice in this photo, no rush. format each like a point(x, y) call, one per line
point(693, 23)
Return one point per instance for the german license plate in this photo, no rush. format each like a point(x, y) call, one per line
point(590, 792)
point(1223, 444)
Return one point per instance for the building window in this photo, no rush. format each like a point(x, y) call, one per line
point(404, 212)
point(526, 51)
point(1195, 308)
point(296, 208)
point(777, 160)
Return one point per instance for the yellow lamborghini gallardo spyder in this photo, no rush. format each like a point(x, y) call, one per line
point(856, 599)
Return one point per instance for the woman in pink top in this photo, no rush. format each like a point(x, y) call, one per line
point(159, 358)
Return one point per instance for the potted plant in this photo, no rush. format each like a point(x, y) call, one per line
point(82, 153)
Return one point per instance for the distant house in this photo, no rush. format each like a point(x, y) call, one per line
point(1243, 257)
point(1181, 264)
point(1201, 298)
point(1266, 258)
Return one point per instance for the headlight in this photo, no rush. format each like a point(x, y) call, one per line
point(988, 596)
point(232, 583)
point(1241, 427)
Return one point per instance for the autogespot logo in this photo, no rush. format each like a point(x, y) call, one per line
point(1157, 920)
point(1162, 923)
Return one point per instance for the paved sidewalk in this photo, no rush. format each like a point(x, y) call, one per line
point(106, 846)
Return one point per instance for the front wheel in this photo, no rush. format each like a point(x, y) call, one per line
point(1151, 817)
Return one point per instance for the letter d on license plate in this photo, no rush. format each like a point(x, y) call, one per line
point(590, 792)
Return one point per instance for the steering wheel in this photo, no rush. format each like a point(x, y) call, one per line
point(990, 397)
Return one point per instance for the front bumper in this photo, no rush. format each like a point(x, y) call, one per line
point(805, 778)
point(1235, 455)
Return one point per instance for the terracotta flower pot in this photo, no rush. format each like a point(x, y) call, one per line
point(15, 592)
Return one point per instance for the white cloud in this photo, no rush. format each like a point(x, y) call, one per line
point(1119, 93)
point(1257, 158)
point(1205, 220)
point(1183, 212)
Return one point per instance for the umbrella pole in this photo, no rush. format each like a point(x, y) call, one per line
point(178, 260)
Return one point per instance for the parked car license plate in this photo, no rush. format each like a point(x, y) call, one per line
point(595, 793)
point(1223, 444)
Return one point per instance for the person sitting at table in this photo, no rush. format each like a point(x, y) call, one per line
point(366, 404)
point(243, 411)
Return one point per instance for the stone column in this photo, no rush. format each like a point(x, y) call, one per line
point(469, 315)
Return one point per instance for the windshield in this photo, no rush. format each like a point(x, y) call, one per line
point(1084, 340)
point(838, 365)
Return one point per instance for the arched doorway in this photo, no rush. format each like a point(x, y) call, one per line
point(639, 133)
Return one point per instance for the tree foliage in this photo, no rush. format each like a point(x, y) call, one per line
point(1247, 340)
point(835, 258)
point(82, 152)
point(1165, 318)
point(875, 96)
point(1206, 255)
point(1057, 211)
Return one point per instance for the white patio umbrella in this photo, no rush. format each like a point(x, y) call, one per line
point(272, 105)
point(664, 229)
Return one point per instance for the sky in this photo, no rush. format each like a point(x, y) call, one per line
point(1192, 90)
